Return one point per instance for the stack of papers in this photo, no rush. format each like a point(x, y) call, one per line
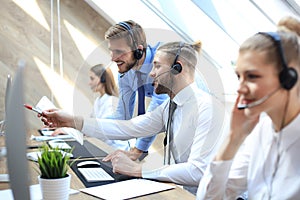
point(70, 134)
point(127, 189)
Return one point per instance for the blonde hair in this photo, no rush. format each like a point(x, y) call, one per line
point(289, 24)
point(264, 44)
point(136, 34)
point(188, 52)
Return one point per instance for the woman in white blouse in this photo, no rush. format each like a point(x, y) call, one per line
point(103, 83)
point(261, 154)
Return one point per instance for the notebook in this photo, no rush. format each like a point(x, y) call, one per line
point(127, 189)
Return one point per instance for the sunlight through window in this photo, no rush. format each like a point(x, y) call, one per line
point(32, 8)
point(84, 45)
point(63, 91)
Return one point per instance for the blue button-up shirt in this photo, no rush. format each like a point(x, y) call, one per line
point(128, 85)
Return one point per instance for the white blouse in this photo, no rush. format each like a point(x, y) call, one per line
point(267, 165)
point(104, 106)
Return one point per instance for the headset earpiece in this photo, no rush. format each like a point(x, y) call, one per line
point(288, 76)
point(176, 68)
point(137, 53)
point(103, 77)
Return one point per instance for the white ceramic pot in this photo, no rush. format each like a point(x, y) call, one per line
point(54, 189)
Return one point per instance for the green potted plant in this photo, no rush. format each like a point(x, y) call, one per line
point(54, 178)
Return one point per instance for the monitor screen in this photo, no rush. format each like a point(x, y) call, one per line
point(15, 138)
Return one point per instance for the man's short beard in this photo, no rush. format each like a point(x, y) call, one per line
point(161, 89)
point(130, 66)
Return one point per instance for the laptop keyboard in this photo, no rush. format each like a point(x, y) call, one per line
point(95, 174)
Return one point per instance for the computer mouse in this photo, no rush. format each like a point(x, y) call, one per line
point(88, 164)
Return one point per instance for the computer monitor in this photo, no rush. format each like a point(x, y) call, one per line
point(7, 90)
point(15, 138)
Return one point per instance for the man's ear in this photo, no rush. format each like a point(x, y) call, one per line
point(140, 47)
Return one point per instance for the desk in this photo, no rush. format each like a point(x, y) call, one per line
point(177, 193)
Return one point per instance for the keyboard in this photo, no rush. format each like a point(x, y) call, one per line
point(95, 174)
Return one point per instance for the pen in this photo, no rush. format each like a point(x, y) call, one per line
point(33, 109)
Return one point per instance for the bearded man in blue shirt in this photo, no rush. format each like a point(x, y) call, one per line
point(129, 50)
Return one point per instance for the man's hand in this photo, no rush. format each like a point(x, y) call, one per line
point(133, 154)
point(122, 164)
point(59, 118)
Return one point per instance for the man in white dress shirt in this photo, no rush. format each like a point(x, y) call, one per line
point(198, 121)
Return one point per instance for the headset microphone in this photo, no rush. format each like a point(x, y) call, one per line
point(160, 75)
point(258, 102)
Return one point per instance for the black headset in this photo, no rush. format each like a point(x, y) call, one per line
point(288, 76)
point(103, 77)
point(176, 68)
point(137, 53)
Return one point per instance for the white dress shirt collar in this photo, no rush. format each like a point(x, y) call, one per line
point(185, 94)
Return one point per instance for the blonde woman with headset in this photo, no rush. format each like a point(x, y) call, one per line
point(261, 154)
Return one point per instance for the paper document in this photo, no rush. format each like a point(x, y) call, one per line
point(59, 144)
point(35, 154)
point(45, 104)
point(77, 135)
point(127, 189)
point(48, 138)
point(70, 133)
point(46, 132)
